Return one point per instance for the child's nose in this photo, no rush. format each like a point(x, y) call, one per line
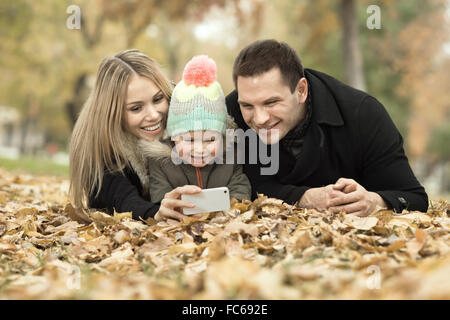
point(197, 147)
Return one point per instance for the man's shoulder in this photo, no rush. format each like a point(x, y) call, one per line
point(339, 89)
point(350, 101)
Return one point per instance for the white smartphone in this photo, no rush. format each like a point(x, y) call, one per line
point(208, 200)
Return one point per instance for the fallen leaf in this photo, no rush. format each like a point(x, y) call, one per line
point(121, 216)
point(360, 223)
point(77, 214)
point(237, 227)
point(414, 246)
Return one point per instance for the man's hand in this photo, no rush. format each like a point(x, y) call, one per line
point(355, 199)
point(320, 198)
point(345, 195)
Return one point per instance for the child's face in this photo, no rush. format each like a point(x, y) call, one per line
point(198, 148)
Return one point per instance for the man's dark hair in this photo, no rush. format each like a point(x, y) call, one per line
point(263, 55)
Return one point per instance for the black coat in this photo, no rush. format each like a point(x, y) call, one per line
point(123, 193)
point(351, 135)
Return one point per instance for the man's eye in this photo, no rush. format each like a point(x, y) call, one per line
point(246, 106)
point(271, 103)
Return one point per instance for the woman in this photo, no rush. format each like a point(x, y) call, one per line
point(129, 102)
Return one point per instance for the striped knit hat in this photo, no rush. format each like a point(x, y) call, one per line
point(197, 102)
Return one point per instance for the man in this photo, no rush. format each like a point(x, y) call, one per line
point(338, 147)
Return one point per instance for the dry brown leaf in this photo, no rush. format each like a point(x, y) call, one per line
point(77, 214)
point(102, 218)
point(237, 227)
point(414, 246)
point(300, 240)
point(3, 197)
point(396, 245)
point(242, 207)
point(122, 236)
point(407, 220)
point(7, 247)
point(247, 216)
point(157, 245)
point(364, 223)
point(3, 229)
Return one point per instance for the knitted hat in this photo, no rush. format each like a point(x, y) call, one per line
point(197, 102)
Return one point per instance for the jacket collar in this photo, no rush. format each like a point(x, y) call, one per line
point(325, 109)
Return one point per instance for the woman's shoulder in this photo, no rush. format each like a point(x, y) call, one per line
point(127, 172)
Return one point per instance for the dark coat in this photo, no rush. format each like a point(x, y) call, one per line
point(351, 135)
point(123, 193)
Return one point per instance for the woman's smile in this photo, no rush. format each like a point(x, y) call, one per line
point(152, 130)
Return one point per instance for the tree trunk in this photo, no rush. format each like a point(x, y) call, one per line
point(353, 61)
point(28, 124)
point(80, 95)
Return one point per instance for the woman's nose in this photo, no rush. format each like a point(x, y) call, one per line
point(151, 113)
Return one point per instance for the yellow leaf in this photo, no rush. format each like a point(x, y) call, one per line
point(121, 216)
point(240, 206)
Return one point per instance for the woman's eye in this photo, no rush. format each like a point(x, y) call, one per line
point(135, 108)
point(158, 99)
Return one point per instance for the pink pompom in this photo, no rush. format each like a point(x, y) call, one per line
point(200, 71)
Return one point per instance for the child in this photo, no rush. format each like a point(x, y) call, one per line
point(196, 125)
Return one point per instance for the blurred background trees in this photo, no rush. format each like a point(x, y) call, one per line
point(47, 69)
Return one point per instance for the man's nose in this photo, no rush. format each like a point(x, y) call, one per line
point(261, 117)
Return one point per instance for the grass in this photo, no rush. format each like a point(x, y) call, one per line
point(35, 166)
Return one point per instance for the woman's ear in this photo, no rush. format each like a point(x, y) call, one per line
point(302, 90)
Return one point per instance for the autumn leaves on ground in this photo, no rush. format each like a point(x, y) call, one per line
point(260, 250)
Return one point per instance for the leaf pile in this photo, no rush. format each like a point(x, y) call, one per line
point(264, 249)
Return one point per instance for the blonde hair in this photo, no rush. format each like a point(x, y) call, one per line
point(99, 138)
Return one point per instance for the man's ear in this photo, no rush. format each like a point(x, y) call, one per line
point(302, 90)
